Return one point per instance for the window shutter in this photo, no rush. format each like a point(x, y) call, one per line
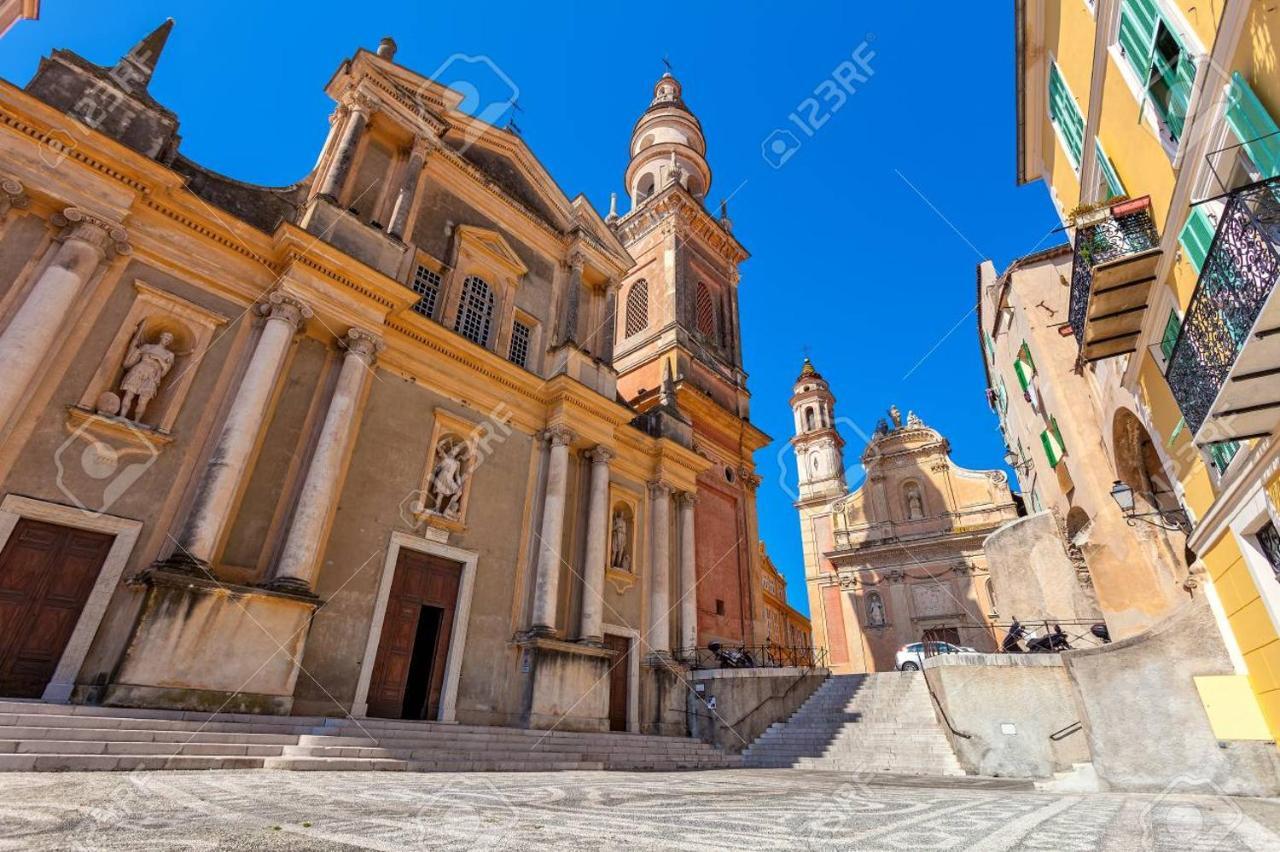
point(1138, 20)
point(1253, 126)
point(1114, 186)
point(1170, 338)
point(1052, 446)
point(1064, 112)
point(1023, 369)
point(1180, 80)
point(1002, 395)
point(1197, 236)
point(1222, 453)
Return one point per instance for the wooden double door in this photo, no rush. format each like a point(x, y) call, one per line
point(408, 672)
point(46, 574)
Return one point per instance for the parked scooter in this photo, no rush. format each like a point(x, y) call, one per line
point(732, 658)
point(1100, 631)
point(1051, 643)
point(1009, 645)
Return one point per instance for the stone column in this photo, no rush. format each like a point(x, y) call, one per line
point(298, 565)
point(572, 300)
point(609, 322)
point(546, 588)
point(227, 465)
point(39, 322)
point(591, 629)
point(408, 187)
point(358, 110)
point(688, 574)
point(659, 635)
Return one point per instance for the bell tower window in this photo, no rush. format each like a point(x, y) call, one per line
point(706, 311)
point(637, 316)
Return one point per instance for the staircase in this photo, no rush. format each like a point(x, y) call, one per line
point(861, 723)
point(51, 737)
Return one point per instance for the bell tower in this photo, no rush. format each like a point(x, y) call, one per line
point(818, 446)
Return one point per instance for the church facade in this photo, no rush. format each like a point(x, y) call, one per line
point(900, 559)
point(417, 436)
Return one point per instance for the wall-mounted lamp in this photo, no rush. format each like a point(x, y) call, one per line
point(1021, 465)
point(1175, 520)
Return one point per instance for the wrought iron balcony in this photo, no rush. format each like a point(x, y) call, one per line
point(1224, 364)
point(1116, 252)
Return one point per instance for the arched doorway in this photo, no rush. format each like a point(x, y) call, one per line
point(1138, 465)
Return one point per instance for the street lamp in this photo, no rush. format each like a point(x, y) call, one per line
point(1175, 520)
point(1019, 464)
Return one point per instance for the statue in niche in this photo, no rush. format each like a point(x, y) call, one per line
point(913, 420)
point(145, 366)
point(915, 506)
point(448, 479)
point(619, 557)
point(875, 611)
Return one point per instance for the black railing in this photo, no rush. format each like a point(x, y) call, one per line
point(1127, 229)
point(766, 656)
point(1238, 275)
point(988, 638)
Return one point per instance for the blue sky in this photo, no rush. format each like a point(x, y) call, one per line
point(863, 243)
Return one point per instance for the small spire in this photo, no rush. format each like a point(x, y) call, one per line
point(725, 221)
point(667, 393)
point(613, 207)
point(135, 68)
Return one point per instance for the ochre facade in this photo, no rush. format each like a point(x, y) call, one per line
point(386, 441)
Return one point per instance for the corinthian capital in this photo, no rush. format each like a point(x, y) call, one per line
point(557, 436)
point(425, 144)
point(600, 454)
point(102, 233)
point(361, 101)
point(363, 344)
point(659, 489)
point(285, 307)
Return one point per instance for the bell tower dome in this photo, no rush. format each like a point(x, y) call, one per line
point(667, 145)
point(818, 446)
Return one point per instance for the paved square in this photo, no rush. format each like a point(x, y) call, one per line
point(739, 809)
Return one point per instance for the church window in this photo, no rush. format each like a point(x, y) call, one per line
point(426, 283)
point(637, 316)
point(644, 188)
point(706, 311)
point(520, 335)
point(475, 312)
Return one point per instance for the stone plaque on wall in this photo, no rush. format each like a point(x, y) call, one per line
point(930, 600)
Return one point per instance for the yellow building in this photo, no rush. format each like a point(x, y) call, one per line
point(1153, 124)
point(786, 627)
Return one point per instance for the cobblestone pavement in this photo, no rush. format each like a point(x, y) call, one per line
point(731, 810)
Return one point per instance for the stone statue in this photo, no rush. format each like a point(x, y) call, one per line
point(882, 428)
point(915, 506)
point(447, 481)
point(896, 416)
point(875, 611)
point(145, 365)
point(913, 420)
point(619, 558)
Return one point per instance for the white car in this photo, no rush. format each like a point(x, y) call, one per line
point(911, 657)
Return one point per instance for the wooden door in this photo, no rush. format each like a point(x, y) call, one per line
point(420, 580)
point(619, 680)
point(46, 574)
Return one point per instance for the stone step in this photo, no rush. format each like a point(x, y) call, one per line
point(103, 747)
point(117, 762)
point(131, 735)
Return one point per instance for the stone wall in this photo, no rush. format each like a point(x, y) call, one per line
point(1032, 577)
point(1009, 705)
point(748, 701)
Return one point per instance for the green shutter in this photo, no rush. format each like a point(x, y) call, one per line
point(1002, 394)
point(1064, 113)
point(1138, 19)
point(1253, 126)
point(1052, 443)
point(1222, 453)
point(1114, 187)
point(991, 346)
point(1170, 338)
point(1024, 367)
point(1196, 237)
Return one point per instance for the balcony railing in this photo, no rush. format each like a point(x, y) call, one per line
point(1224, 365)
point(1116, 252)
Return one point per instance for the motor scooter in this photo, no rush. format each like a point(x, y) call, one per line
point(1051, 643)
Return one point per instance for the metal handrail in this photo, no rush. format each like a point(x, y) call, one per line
point(767, 656)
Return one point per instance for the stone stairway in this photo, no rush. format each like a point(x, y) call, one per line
point(861, 723)
point(49, 737)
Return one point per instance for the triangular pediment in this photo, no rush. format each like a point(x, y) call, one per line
point(491, 246)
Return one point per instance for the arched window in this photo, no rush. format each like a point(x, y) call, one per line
point(706, 311)
point(808, 419)
point(637, 317)
point(475, 311)
point(644, 187)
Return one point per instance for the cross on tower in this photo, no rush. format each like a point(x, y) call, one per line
point(667, 62)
